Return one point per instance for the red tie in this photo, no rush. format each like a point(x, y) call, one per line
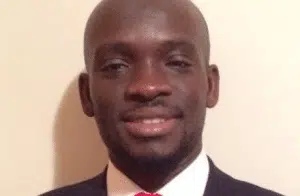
point(147, 194)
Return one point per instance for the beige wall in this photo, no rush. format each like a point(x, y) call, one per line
point(253, 134)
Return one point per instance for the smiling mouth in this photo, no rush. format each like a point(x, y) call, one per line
point(151, 127)
point(151, 121)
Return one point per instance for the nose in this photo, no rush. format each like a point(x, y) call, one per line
point(147, 83)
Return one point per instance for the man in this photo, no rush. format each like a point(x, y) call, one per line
point(148, 83)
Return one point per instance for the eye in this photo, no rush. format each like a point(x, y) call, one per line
point(179, 64)
point(114, 66)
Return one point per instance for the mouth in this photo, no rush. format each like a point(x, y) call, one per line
point(151, 122)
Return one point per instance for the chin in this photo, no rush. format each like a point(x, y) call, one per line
point(153, 162)
point(155, 158)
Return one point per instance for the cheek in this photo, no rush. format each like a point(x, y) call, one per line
point(195, 114)
point(102, 91)
point(194, 90)
point(194, 97)
point(196, 104)
point(101, 97)
point(106, 100)
point(107, 97)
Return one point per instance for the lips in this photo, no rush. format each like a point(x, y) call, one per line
point(151, 122)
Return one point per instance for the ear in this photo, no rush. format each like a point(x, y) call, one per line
point(84, 92)
point(213, 86)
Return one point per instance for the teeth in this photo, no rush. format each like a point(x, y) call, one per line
point(153, 121)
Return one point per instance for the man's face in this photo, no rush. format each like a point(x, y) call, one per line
point(148, 83)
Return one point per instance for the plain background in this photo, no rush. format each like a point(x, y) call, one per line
point(47, 142)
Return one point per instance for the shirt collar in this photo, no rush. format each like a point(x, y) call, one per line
point(191, 181)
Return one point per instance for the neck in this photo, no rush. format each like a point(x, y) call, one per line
point(152, 177)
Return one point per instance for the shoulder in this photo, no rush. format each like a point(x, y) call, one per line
point(224, 184)
point(247, 189)
point(93, 186)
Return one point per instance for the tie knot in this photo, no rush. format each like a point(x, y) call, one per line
point(147, 194)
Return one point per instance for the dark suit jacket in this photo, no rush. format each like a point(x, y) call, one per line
point(219, 184)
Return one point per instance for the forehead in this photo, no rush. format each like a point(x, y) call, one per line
point(143, 23)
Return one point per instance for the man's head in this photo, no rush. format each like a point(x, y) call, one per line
point(148, 80)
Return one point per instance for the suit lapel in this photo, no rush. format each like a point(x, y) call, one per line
point(95, 186)
point(102, 183)
point(214, 182)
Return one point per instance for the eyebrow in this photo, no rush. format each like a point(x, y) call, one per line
point(181, 44)
point(126, 49)
point(115, 48)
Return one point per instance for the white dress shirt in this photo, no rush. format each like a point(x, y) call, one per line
point(191, 181)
